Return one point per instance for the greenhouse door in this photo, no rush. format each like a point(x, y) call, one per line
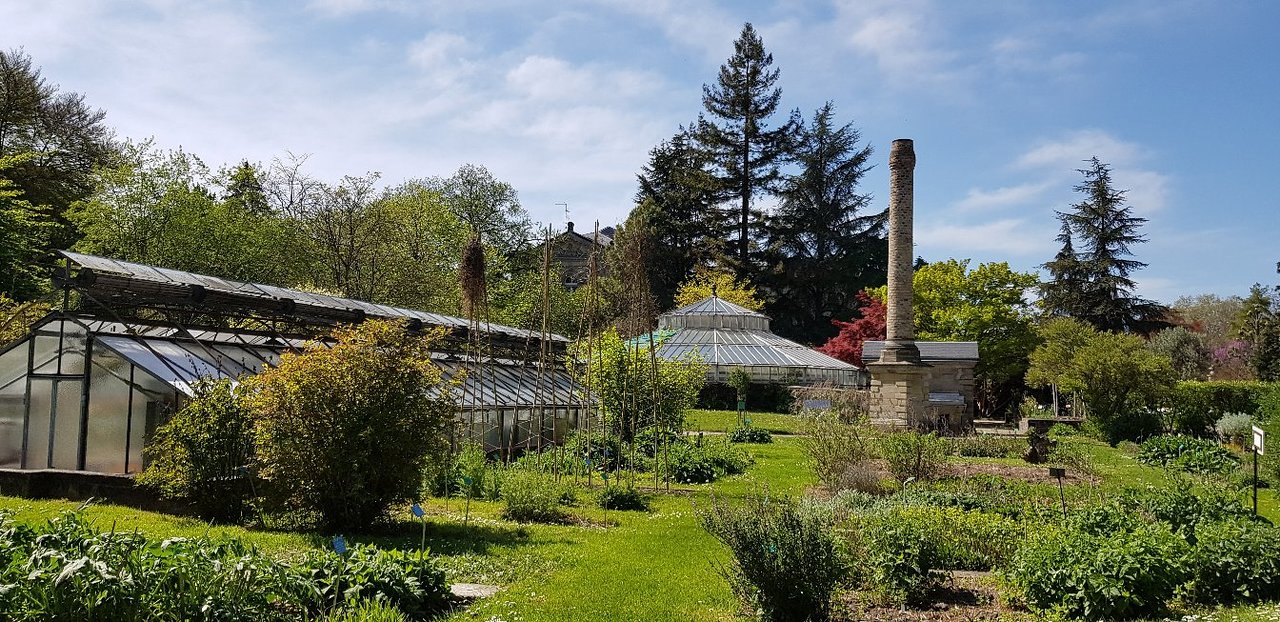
point(53, 424)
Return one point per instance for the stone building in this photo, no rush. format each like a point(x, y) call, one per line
point(949, 379)
point(572, 250)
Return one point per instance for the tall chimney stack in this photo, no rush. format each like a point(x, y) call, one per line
point(900, 346)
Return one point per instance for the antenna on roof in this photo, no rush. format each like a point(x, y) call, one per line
point(566, 210)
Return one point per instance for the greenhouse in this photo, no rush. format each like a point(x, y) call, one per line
point(86, 388)
point(727, 336)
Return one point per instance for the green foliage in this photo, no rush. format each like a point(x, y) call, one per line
point(704, 461)
point(786, 561)
point(366, 611)
point(1194, 407)
point(1079, 575)
point(65, 570)
point(706, 282)
point(635, 392)
point(736, 134)
point(345, 430)
point(471, 472)
point(912, 455)
point(839, 452)
point(740, 380)
point(531, 497)
point(1190, 454)
point(159, 208)
point(16, 318)
point(1093, 283)
point(1119, 379)
point(1185, 350)
point(1235, 561)
point(1258, 324)
point(824, 244)
point(408, 580)
point(619, 497)
point(201, 455)
point(25, 233)
point(750, 434)
point(988, 304)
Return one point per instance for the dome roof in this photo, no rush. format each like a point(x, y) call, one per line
point(725, 335)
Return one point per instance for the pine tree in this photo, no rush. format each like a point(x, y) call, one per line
point(822, 248)
point(244, 189)
point(678, 196)
point(1094, 283)
point(745, 151)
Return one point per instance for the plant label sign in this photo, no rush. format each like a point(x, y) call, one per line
point(417, 511)
point(339, 545)
point(1259, 440)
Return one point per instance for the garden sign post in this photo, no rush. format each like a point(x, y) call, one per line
point(1259, 443)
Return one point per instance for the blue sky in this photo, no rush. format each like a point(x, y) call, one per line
point(564, 100)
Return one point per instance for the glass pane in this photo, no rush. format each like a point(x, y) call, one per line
point(13, 364)
point(11, 412)
point(153, 402)
point(46, 356)
point(108, 413)
point(38, 424)
point(66, 424)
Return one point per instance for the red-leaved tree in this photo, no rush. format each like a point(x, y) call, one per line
point(847, 346)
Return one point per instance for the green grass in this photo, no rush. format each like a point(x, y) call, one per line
point(725, 420)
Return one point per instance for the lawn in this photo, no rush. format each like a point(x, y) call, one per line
point(657, 566)
point(725, 420)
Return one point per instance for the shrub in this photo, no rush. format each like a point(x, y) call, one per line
point(471, 471)
point(623, 498)
point(1190, 454)
point(839, 451)
point(750, 434)
point(366, 611)
point(531, 497)
point(1194, 407)
point(986, 446)
point(67, 571)
point(785, 560)
point(346, 430)
point(914, 455)
point(1080, 575)
point(200, 455)
point(940, 537)
point(688, 464)
point(724, 457)
point(411, 582)
point(635, 392)
point(1235, 428)
point(1235, 561)
point(1183, 507)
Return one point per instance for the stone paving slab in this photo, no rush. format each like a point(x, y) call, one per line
point(472, 591)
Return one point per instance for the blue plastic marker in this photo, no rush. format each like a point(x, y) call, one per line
point(417, 511)
point(339, 545)
point(466, 480)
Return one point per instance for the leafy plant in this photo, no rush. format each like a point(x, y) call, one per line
point(839, 451)
point(366, 611)
point(408, 580)
point(914, 455)
point(201, 454)
point(531, 497)
point(1235, 428)
point(345, 430)
point(1079, 575)
point(785, 561)
point(621, 497)
point(750, 434)
point(1235, 561)
point(1190, 454)
point(986, 446)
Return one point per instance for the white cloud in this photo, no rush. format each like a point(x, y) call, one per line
point(1071, 151)
point(980, 200)
point(1007, 236)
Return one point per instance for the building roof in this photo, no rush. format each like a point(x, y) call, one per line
point(723, 334)
point(125, 283)
point(714, 305)
point(929, 350)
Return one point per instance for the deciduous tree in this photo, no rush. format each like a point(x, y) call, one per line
point(707, 282)
point(847, 344)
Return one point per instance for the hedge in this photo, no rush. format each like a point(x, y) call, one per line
point(1195, 406)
